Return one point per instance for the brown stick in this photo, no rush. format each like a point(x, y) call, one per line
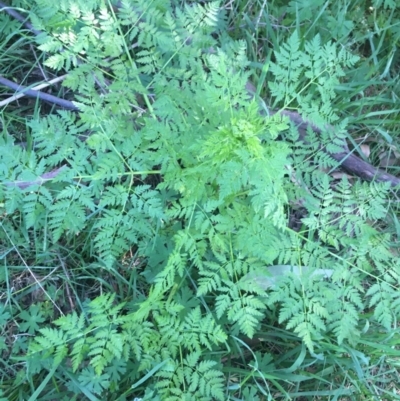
point(66, 104)
point(350, 162)
point(11, 11)
point(38, 181)
point(347, 159)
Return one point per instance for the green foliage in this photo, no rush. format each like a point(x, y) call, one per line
point(170, 163)
point(322, 66)
point(109, 342)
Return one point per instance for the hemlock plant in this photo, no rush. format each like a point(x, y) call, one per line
point(170, 158)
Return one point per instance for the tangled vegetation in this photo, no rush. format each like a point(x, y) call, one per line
point(200, 202)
